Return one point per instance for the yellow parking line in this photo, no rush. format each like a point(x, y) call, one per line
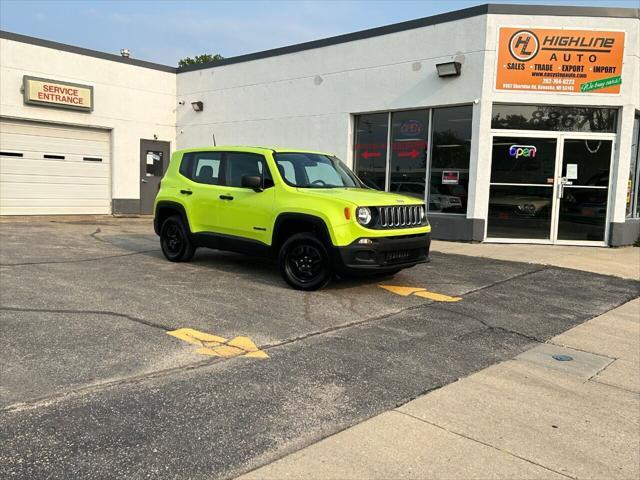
point(194, 336)
point(216, 346)
point(420, 292)
point(404, 291)
point(438, 297)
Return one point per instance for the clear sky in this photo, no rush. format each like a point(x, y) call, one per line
point(165, 31)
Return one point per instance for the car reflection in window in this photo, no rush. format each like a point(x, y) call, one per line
point(522, 205)
point(439, 198)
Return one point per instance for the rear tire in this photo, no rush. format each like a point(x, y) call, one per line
point(174, 240)
point(304, 262)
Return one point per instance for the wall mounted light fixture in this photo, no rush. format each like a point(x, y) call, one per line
point(449, 69)
point(197, 106)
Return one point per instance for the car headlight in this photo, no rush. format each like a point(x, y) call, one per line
point(363, 214)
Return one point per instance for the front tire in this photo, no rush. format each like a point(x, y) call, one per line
point(174, 240)
point(304, 262)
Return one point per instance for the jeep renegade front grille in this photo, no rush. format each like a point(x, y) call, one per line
point(405, 216)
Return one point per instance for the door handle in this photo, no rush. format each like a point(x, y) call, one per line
point(186, 192)
point(561, 184)
point(143, 180)
point(226, 197)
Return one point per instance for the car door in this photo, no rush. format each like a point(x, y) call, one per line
point(202, 193)
point(246, 213)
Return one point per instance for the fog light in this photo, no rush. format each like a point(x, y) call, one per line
point(365, 241)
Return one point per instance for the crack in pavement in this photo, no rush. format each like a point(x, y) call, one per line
point(487, 325)
point(312, 441)
point(93, 259)
point(43, 401)
point(89, 312)
point(505, 280)
point(611, 385)
point(101, 386)
point(95, 237)
point(501, 450)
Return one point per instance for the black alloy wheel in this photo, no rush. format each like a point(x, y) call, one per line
point(304, 262)
point(174, 241)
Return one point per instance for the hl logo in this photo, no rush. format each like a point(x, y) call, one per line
point(524, 45)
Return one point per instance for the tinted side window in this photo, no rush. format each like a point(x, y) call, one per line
point(287, 171)
point(202, 167)
point(186, 165)
point(207, 171)
point(239, 164)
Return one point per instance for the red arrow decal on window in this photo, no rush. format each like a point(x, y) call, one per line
point(411, 153)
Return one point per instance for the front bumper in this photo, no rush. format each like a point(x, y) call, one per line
point(385, 253)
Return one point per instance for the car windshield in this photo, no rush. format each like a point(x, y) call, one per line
point(313, 170)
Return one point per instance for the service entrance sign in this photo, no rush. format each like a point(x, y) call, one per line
point(561, 61)
point(54, 93)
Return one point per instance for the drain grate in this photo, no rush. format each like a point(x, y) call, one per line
point(562, 358)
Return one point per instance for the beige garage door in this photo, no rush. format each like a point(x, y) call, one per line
point(53, 169)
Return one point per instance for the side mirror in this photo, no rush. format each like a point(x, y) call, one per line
point(252, 181)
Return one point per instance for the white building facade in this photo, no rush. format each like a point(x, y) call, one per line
point(532, 137)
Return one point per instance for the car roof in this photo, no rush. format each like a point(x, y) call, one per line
point(249, 149)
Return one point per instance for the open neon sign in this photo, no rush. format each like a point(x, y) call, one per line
point(526, 151)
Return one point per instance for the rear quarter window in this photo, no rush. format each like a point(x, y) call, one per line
point(186, 165)
point(202, 167)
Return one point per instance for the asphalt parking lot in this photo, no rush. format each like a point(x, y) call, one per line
point(94, 386)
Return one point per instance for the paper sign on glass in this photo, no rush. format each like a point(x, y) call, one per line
point(450, 177)
point(572, 171)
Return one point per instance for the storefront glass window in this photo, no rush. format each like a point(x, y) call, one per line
point(409, 152)
point(554, 118)
point(519, 212)
point(523, 160)
point(450, 154)
point(408, 162)
point(633, 187)
point(370, 149)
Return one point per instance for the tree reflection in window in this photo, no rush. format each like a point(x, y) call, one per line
point(554, 118)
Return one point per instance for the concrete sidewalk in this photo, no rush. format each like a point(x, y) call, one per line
point(530, 417)
point(621, 262)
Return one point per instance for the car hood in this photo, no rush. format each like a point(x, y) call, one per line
point(362, 197)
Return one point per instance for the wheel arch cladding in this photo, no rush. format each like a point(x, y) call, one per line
point(288, 224)
point(165, 210)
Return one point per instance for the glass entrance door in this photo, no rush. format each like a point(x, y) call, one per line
point(549, 189)
point(522, 188)
point(583, 190)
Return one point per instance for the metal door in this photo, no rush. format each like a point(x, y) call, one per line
point(154, 160)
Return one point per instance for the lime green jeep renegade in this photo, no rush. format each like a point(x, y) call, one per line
point(307, 209)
